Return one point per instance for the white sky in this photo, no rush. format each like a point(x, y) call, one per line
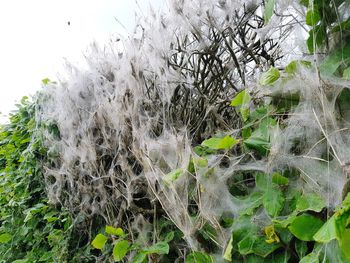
point(36, 37)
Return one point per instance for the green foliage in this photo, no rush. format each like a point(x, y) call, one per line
point(269, 8)
point(269, 77)
point(305, 226)
point(122, 246)
point(223, 143)
point(31, 230)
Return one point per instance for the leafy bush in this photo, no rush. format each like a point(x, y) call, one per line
point(204, 146)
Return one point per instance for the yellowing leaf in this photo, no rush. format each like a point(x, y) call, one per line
point(271, 235)
point(114, 231)
point(228, 250)
point(4, 238)
point(99, 241)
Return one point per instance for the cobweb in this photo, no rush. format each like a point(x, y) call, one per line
point(135, 115)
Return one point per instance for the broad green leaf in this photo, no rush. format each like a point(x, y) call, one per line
point(273, 201)
point(327, 232)
point(114, 231)
point(120, 249)
point(268, 12)
point(159, 248)
point(291, 68)
point(139, 258)
point(226, 142)
point(228, 251)
point(246, 245)
point(346, 73)
point(169, 236)
point(305, 226)
point(310, 258)
point(279, 179)
point(242, 98)
point(262, 181)
point(269, 77)
point(244, 112)
point(332, 62)
point(260, 138)
point(316, 38)
point(262, 248)
point(250, 203)
point(172, 176)
point(312, 17)
point(301, 248)
point(311, 202)
point(345, 243)
point(285, 222)
point(199, 257)
point(4, 238)
point(99, 241)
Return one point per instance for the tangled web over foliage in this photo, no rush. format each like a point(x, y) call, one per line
point(202, 135)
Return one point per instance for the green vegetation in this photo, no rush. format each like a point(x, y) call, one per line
point(273, 187)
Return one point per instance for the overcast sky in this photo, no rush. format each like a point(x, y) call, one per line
point(36, 37)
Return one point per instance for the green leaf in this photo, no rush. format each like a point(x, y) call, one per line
point(345, 243)
point(346, 73)
point(169, 236)
point(228, 251)
point(268, 12)
point(310, 258)
point(269, 77)
point(316, 38)
point(159, 248)
point(199, 257)
point(120, 249)
point(273, 201)
point(139, 258)
point(114, 231)
point(260, 138)
point(250, 203)
point(279, 179)
point(200, 162)
point(253, 244)
point(332, 62)
point(305, 226)
point(262, 181)
point(244, 112)
point(311, 202)
point(172, 176)
point(242, 98)
point(5, 238)
point(46, 81)
point(226, 142)
point(99, 241)
point(301, 248)
point(327, 232)
point(246, 245)
point(312, 17)
point(291, 68)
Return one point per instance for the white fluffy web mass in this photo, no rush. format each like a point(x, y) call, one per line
point(121, 133)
